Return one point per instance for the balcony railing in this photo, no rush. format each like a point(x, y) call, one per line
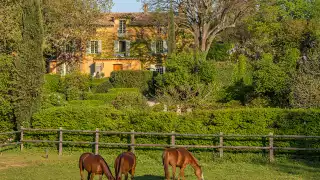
point(121, 54)
point(122, 33)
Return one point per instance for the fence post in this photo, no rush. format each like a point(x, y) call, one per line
point(173, 139)
point(97, 142)
point(132, 141)
point(221, 144)
point(60, 141)
point(21, 138)
point(271, 150)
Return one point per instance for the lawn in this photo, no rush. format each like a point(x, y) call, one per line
point(28, 165)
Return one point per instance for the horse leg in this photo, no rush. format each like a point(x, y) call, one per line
point(92, 176)
point(132, 173)
point(126, 176)
point(173, 172)
point(89, 175)
point(181, 175)
point(100, 177)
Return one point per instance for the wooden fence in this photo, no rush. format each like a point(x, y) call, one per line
point(173, 136)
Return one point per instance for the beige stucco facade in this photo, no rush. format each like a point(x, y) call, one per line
point(122, 41)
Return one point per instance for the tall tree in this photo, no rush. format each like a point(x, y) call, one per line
point(67, 26)
point(171, 34)
point(29, 63)
point(206, 19)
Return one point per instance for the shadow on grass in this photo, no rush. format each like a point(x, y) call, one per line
point(149, 177)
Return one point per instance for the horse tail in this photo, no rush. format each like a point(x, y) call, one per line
point(80, 163)
point(81, 159)
point(165, 162)
point(118, 168)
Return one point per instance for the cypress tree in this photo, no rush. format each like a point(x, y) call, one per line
point(29, 64)
point(171, 34)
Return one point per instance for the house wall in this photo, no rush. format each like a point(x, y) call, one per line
point(127, 65)
point(107, 35)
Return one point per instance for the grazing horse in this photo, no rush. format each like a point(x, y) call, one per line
point(124, 164)
point(180, 157)
point(94, 164)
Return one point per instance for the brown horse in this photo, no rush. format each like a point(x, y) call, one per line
point(180, 157)
point(124, 164)
point(94, 164)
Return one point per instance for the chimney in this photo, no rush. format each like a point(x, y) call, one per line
point(145, 8)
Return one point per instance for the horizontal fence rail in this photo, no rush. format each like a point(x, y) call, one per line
point(173, 136)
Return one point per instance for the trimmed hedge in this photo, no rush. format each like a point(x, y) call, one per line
point(52, 83)
point(239, 121)
point(101, 86)
point(111, 95)
point(130, 100)
point(131, 79)
point(104, 97)
point(75, 85)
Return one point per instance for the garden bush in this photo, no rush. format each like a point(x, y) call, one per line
point(52, 99)
point(186, 80)
point(104, 97)
point(6, 89)
point(86, 103)
point(260, 121)
point(130, 100)
point(131, 79)
point(52, 83)
point(102, 87)
point(75, 85)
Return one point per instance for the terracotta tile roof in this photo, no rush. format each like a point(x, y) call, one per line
point(136, 18)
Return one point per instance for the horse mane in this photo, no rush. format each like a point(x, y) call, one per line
point(194, 159)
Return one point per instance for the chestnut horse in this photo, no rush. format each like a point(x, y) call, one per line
point(124, 164)
point(180, 157)
point(94, 164)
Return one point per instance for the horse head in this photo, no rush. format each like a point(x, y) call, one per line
point(199, 173)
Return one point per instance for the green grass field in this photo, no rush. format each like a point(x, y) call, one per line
point(27, 165)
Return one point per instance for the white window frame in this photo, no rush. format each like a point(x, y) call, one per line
point(122, 26)
point(159, 47)
point(94, 47)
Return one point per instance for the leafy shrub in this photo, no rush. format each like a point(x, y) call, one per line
point(111, 95)
point(120, 90)
point(52, 83)
point(102, 87)
point(259, 102)
point(53, 99)
point(131, 79)
point(75, 85)
point(6, 87)
point(219, 51)
point(130, 100)
point(104, 97)
point(86, 103)
point(186, 78)
point(229, 121)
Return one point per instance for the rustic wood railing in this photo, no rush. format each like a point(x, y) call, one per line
point(173, 135)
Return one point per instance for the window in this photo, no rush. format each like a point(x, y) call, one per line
point(70, 47)
point(160, 69)
point(159, 29)
point(122, 46)
point(94, 47)
point(122, 26)
point(159, 46)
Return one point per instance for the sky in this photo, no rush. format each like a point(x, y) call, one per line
point(127, 6)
